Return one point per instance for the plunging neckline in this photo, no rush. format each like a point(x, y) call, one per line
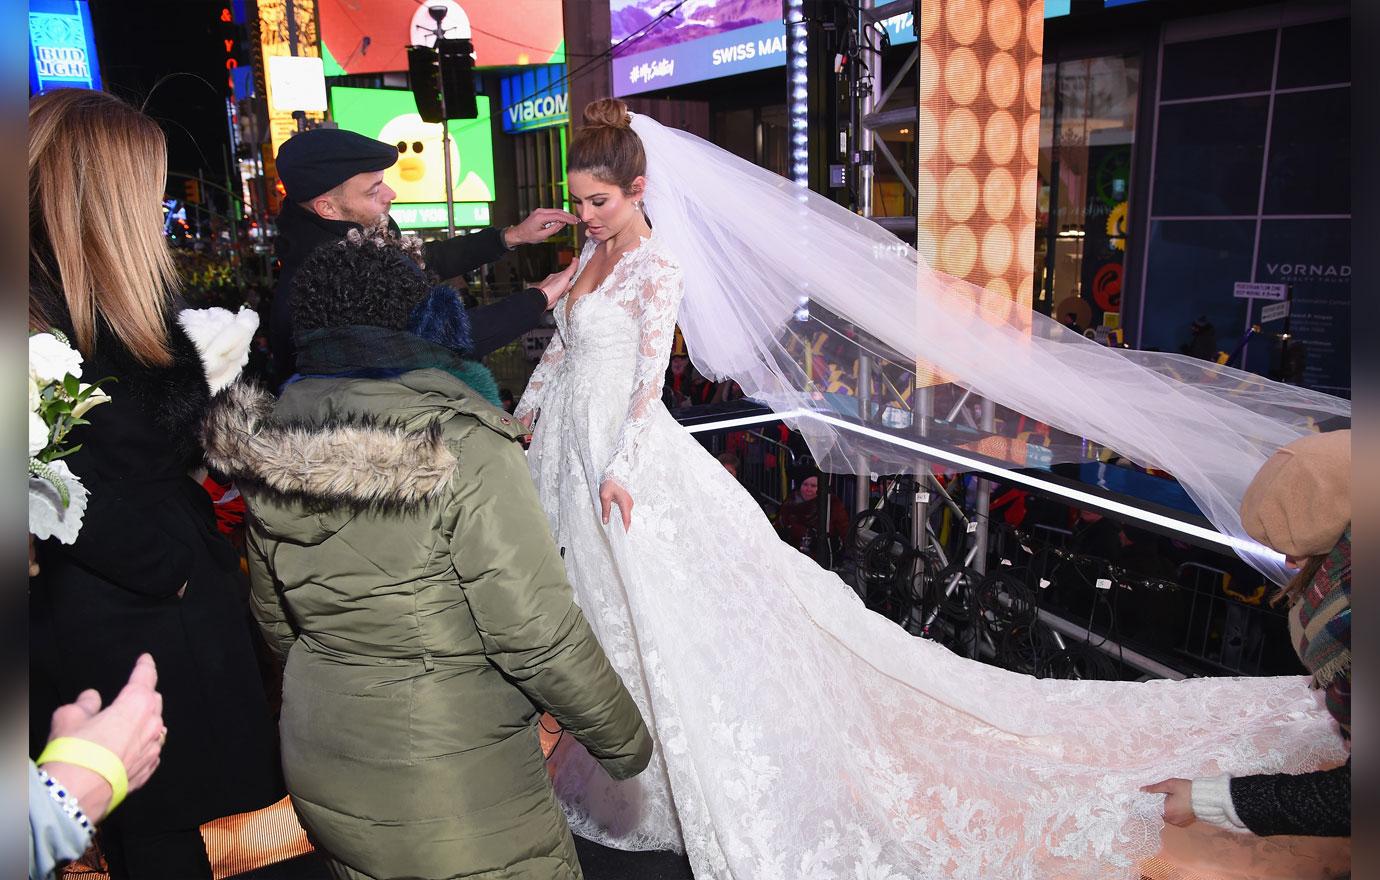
point(572, 302)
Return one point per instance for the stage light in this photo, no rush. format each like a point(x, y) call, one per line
point(962, 135)
point(999, 194)
point(1004, 23)
point(960, 198)
point(964, 19)
point(1003, 79)
point(958, 254)
point(997, 250)
point(963, 75)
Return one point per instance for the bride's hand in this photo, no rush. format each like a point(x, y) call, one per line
point(611, 493)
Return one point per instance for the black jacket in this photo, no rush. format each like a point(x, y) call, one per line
point(1313, 804)
point(112, 595)
point(492, 326)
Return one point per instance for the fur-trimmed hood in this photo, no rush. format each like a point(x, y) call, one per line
point(350, 465)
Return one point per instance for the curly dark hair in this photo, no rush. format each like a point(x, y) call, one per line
point(372, 277)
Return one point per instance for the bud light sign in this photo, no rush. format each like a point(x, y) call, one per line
point(62, 46)
point(536, 98)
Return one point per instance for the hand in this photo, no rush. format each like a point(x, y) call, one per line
point(131, 727)
point(1178, 801)
point(557, 283)
point(611, 493)
point(540, 225)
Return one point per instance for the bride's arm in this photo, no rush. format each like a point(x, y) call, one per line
point(531, 398)
point(657, 303)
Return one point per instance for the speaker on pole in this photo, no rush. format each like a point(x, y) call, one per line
point(424, 78)
point(442, 80)
point(457, 78)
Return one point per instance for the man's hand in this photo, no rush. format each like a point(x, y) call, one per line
point(611, 493)
point(131, 727)
point(1178, 801)
point(540, 225)
point(557, 283)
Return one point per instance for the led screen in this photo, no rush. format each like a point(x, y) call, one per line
point(372, 36)
point(419, 177)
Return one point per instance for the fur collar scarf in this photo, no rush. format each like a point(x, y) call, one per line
point(354, 463)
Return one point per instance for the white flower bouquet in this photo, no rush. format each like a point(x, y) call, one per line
point(58, 400)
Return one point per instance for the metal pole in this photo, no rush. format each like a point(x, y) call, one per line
point(867, 103)
point(450, 181)
point(919, 535)
point(984, 496)
point(862, 493)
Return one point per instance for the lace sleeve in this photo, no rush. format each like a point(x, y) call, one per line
point(657, 301)
point(531, 398)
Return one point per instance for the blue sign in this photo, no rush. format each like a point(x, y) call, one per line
point(539, 97)
point(757, 47)
point(62, 46)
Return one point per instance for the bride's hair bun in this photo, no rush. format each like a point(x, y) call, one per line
point(607, 147)
point(609, 112)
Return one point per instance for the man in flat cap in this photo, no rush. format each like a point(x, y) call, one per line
point(334, 183)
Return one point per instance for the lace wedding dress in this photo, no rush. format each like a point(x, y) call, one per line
point(802, 737)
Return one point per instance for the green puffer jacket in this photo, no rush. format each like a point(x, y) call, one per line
point(401, 563)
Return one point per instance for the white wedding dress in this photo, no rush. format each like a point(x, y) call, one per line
point(802, 737)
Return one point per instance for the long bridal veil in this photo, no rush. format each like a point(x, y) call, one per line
point(771, 268)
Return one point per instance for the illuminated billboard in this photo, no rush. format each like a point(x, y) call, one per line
point(419, 176)
point(62, 47)
point(708, 39)
point(534, 99)
point(372, 37)
point(284, 28)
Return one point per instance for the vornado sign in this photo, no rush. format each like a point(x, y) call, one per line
point(1314, 272)
point(536, 98)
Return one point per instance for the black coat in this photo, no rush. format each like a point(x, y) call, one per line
point(1314, 804)
point(112, 595)
point(492, 326)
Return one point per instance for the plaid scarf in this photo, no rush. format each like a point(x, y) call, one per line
point(1320, 624)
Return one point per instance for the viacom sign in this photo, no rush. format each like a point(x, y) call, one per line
point(536, 98)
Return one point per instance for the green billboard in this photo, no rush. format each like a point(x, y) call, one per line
point(419, 177)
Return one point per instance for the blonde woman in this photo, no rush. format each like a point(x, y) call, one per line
point(149, 573)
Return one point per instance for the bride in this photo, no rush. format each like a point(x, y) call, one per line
point(801, 736)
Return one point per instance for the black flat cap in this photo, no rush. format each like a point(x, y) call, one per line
point(320, 159)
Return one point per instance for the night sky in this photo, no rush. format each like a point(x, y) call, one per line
point(140, 42)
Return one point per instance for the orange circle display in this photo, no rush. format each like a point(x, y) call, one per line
point(999, 194)
point(958, 254)
point(929, 20)
point(963, 75)
point(1003, 79)
point(1035, 27)
point(926, 195)
point(929, 134)
point(965, 20)
point(960, 196)
point(995, 303)
point(1033, 73)
point(929, 71)
point(962, 135)
point(1029, 184)
point(1004, 23)
point(996, 249)
point(1025, 250)
point(1000, 137)
point(1030, 138)
point(925, 245)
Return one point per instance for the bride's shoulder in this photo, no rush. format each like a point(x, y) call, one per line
point(656, 251)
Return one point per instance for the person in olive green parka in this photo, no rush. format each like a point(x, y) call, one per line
point(401, 563)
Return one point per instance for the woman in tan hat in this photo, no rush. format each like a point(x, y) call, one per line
point(1300, 505)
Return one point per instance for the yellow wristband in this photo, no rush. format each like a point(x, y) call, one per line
point(96, 758)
